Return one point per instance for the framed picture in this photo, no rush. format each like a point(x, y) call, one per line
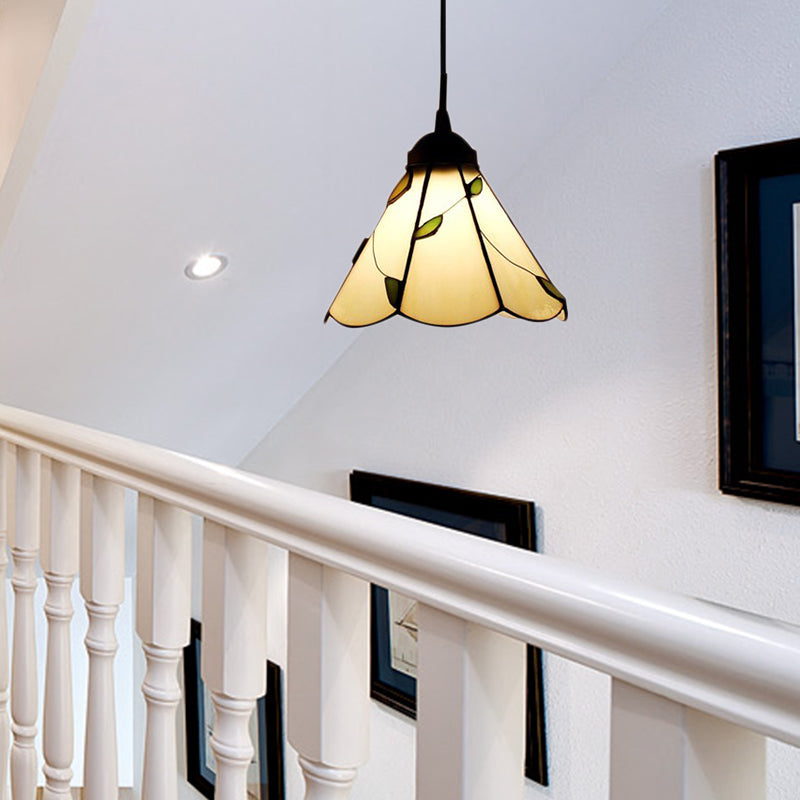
point(394, 630)
point(758, 264)
point(265, 776)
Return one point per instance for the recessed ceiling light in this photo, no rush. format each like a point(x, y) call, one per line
point(206, 266)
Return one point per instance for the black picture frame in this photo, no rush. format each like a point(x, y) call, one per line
point(500, 518)
point(269, 721)
point(756, 190)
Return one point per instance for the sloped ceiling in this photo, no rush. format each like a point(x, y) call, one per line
point(271, 132)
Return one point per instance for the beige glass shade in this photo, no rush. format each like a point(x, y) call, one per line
point(445, 253)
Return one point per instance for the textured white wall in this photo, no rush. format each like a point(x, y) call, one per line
point(608, 422)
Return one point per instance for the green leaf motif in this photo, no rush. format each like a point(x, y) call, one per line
point(551, 290)
point(393, 291)
point(429, 228)
point(475, 187)
point(403, 185)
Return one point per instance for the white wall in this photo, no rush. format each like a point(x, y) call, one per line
point(26, 34)
point(608, 422)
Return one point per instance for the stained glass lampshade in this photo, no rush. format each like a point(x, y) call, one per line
point(444, 251)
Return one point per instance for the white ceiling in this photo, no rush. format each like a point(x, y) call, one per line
point(271, 132)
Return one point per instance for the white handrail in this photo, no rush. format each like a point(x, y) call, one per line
point(734, 665)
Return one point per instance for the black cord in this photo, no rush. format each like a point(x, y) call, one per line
point(442, 120)
point(443, 58)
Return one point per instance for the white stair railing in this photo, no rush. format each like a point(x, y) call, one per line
point(59, 561)
point(696, 687)
point(327, 676)
point(470, 695)
point(235, 646)
point(24, 541)
point(663, 750)
point(163, 600)
point(102, 575)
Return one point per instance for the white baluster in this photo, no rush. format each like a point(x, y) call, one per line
point(662, 750)
point(59, 559)
point(234, 652)
point(163, 607)
point(102, 573)
point(24, 538)
point(8, 468)
point(328, 676)
point(470, 710)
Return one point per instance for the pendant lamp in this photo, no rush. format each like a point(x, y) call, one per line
point(444, 251)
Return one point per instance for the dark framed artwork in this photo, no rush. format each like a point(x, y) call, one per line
point(758, 285)
point(393, 624)
point(265, 779)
